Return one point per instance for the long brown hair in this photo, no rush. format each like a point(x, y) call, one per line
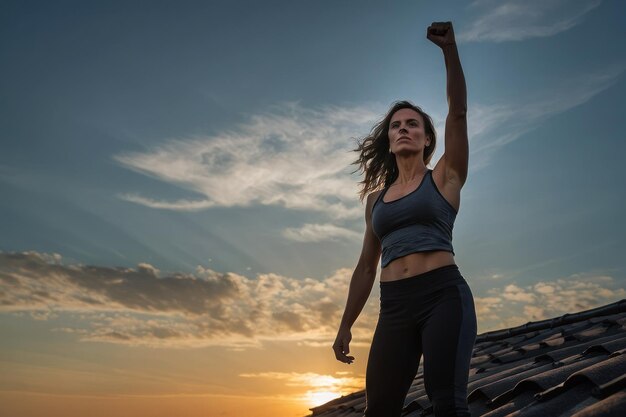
point(375, 160)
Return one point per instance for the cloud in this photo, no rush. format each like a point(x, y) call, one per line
point(511, 20)
point(300, 158)
point(487, 308)
point(491, 127)
point(319, 232)
point(137, 306)
point(514, 293)
point(30, 282)
point(290, 156)
point(514, 305)
point(142, 307)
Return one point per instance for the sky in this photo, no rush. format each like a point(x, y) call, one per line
point(180, 219)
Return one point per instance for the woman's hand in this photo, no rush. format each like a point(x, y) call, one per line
point(441, 34)
point(341, 346)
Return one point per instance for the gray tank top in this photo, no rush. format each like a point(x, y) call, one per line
point(420, 221)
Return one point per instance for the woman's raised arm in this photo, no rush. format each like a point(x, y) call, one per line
point(456, 141)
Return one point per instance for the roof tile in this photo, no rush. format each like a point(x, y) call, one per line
point(612, 406)
point(572, 365)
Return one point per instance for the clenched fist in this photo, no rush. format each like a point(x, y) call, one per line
point(441, 34)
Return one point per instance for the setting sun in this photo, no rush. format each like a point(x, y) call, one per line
point(316, 398)
point(328, 387)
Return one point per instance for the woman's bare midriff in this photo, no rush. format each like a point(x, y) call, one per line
point(415, 263)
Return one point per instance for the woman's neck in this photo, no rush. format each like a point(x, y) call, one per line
point(409, 171)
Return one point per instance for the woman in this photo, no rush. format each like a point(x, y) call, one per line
point(426, 305)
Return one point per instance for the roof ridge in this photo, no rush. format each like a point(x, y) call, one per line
point(608, 309)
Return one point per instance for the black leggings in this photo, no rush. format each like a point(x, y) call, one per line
point(431, 313)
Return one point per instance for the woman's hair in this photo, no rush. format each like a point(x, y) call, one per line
point(375, 160)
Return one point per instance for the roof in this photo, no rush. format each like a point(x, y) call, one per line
point(572, 365)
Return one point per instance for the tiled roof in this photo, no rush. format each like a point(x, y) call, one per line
point(572, 365)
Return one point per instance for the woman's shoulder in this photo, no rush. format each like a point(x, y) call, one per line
point(371, 199)
point(374, 195)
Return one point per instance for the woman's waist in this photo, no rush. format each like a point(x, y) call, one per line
point(415, 264)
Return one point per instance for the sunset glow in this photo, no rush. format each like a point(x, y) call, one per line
point(315, 398)
point(322, 388)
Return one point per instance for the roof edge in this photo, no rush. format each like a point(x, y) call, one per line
point(613, 308)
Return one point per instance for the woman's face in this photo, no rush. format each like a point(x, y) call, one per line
point(406, 131)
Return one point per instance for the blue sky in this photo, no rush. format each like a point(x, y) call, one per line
point(199, 134)
point(206, 139)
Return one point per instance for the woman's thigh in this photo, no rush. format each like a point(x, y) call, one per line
point(448, 340)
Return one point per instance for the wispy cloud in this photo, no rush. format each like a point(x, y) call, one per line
point(299, 158)
point(319, 232)
point(291, 156)
point(512, 20)
point(490, 127)
point(139, 307)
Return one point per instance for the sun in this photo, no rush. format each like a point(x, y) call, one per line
point(315, 398)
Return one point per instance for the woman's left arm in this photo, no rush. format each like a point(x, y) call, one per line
point(456, 141)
